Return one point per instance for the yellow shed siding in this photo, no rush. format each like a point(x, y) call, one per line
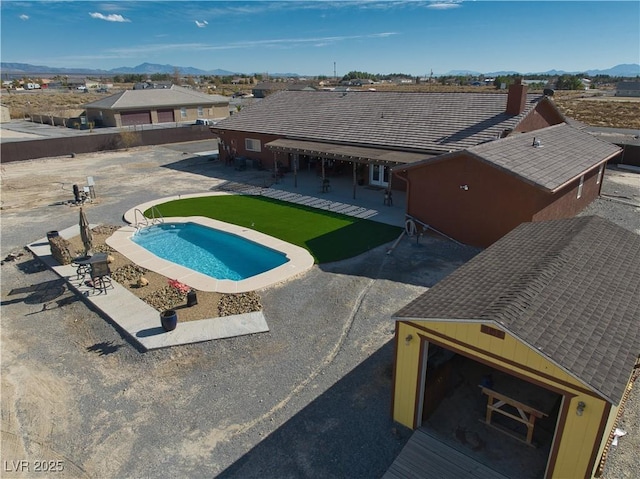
point(579, 437)
point(514, 353)
point(406, 373)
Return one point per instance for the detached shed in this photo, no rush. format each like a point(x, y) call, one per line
point(535, 341)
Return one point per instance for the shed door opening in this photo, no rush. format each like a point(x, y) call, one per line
point(455, 410)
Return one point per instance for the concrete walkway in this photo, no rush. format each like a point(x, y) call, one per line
point(137, 319)
point(306, 188)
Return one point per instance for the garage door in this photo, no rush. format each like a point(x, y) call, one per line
point(165, 116)
point(135, 118)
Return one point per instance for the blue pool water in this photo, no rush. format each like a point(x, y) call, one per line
point(209, 251)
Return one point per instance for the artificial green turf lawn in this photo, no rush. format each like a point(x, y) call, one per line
point(327, 236)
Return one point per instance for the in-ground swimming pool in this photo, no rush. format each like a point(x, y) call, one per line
point(209, 251)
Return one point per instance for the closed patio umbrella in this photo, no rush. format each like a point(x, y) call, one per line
point(85, 233)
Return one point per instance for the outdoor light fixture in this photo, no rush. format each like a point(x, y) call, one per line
point(580, 408)
point(464, 187)
point(408, 339)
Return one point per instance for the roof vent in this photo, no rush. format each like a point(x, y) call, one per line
point(536, 143)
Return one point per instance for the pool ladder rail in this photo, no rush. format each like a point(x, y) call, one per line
point(147, 221)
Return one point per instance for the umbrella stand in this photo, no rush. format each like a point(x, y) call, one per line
point(85, 233)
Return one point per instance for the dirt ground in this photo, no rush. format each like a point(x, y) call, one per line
point(311, 398)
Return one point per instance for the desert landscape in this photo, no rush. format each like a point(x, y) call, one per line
point(592, 107)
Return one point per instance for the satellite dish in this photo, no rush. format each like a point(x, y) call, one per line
point(548, 92)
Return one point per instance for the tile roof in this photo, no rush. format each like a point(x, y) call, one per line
point(570, 289)
point(427, 122)
point(156, 97)
point(277, 86)
point(565, 153)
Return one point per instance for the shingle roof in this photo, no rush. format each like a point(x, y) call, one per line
point(564, 154)
point(156, 97)
point(428, 122)
point(570, 289)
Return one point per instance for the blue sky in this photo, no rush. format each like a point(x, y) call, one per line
point(414, 37)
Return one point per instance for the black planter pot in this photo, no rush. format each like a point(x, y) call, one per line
point(169, 319)
point(52, 234)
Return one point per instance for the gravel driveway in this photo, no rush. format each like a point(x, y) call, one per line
point(311, 398)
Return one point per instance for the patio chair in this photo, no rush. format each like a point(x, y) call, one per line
point(82, 265)
point(101, 276)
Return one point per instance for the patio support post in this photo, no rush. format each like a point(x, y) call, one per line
point(295, 170)
point(275, 167)
point(322, 168)
point(354, 180)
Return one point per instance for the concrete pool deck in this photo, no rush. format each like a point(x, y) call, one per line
point(141, 323)
point(299, 259)
point(137, 319)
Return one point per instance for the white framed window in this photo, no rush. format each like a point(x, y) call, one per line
point(252, 145)
point(600, 172)
point(183, 112)
point(580, 186)
point(200, 111)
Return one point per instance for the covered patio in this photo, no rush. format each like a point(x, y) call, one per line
point(307, 187)
point(360, 165)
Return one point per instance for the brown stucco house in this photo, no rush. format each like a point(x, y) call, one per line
point(479, 194)
point(526, 354)
point(156, 105)
point(363, 134)
point(474, 165)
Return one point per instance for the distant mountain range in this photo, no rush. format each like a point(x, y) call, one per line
point(144, 68)
point(623, 70)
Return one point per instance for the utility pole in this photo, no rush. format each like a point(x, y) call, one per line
point(335, 77)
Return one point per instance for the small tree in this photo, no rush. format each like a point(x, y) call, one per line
point(128, 138)
point(176, 76)
point(569, 82)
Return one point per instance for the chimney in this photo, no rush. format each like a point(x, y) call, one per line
point(516, 98)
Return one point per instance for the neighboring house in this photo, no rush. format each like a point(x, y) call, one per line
point(479, 194)
point(262, 89)
point(150, 106)
point(547, 317)
point(152, 84)
point(628, 88)
point(626, 138)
